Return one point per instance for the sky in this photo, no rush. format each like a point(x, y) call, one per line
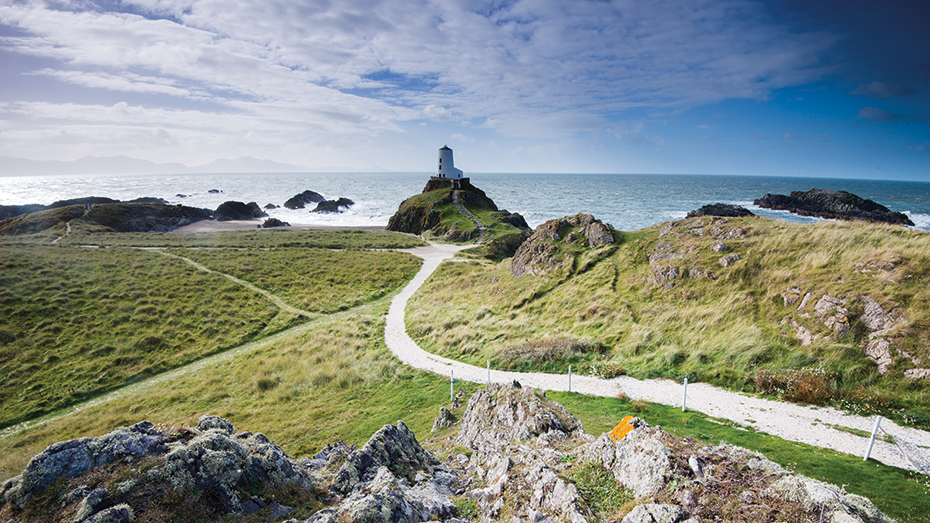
point(789, 88)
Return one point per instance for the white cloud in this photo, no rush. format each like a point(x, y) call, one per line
point(439, 114)
point(462, 138)
point(883, 90)
point(541, 69)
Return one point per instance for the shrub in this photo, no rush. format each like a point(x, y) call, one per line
point(814, 385)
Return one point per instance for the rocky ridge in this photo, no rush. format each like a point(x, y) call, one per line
point(514, 455)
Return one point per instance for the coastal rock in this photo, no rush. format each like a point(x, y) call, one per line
point(917, 374)
point(721, 209)
point(232, 210)
point(274, 222)
point(839, 205)
point(299, 201)
point(333, 206)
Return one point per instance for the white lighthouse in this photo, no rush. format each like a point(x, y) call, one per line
point(446, 167)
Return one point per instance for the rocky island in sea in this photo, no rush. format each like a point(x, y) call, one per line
point(837, 205)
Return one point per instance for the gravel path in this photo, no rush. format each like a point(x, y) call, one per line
point(811, 425)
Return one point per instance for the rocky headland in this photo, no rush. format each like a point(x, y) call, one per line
point(434, 212)
point(837, 205)
point(512, 455)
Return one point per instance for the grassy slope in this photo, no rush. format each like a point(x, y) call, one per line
point(720, 331)
point(75, 322)
point(333, 378)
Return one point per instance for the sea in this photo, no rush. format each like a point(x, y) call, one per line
point(627, 201)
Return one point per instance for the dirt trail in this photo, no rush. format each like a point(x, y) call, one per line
point(811, 425)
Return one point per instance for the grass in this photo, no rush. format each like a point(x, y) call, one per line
point(901, 494)
point(720, 330)
point(76, 322)
point(324, 381)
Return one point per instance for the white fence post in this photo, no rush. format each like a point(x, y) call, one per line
point(878, 419)
point(489, 372)
point(684, 396)
point(451, 388)
point(569, 378)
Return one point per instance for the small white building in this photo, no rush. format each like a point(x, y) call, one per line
point(446, 167)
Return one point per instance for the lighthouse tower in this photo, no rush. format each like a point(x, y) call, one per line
point(446, 167)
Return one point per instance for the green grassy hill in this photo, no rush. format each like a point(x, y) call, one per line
point(661, 303)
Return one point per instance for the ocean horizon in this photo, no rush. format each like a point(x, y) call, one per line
point(626, 201)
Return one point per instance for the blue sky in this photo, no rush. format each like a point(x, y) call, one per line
point(799, 88)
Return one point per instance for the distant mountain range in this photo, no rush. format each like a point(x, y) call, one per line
point(125, 165)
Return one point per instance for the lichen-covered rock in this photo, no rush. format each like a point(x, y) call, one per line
point(639, 461)
point(833, 313)
point(830, 499)
point(653, 513)
point(443, 420)
point(499, 415)
point(393, 446)
point(386, 498)
point(70, 459)
point(728, 260)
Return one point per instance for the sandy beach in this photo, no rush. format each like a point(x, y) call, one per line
point(248, 225)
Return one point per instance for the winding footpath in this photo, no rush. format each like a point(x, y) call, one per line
point(811, 425)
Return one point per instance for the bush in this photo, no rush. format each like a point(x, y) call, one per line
point(813, 385)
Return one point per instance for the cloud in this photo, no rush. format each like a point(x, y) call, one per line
point(705, 126)
point(540, 69)
point(462, 138)
point(874, 113)
point(882, 91)
point(918, 148)
point(439, 114)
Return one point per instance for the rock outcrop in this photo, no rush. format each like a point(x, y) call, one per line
point(333, 206)
point(838, 205)
point(540, 253)
point(525, 450)
point(274, 222)
point(728, 210)
point(299, 201)
point(238, 211)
